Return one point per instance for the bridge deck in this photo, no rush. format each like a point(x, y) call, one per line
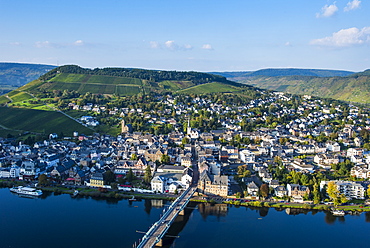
point(159, 228)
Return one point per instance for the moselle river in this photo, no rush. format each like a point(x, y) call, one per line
point(63, 221)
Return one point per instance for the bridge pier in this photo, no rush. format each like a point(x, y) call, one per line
point(182, 212)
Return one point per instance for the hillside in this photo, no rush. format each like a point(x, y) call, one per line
point(123, 81)
point(71, 84)
point(277, 72)
point(37, 121)
point(354, 88)
point(14, 75)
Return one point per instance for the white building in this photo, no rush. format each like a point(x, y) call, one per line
point(247, 156)
point(348, 188)
point(168, 181)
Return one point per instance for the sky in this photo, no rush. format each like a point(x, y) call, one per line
point(198, 35)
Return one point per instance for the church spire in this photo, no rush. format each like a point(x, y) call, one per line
point(188, 129)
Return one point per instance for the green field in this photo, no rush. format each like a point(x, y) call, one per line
point(20, 96)
point(31, 86)
point(127, 90)
point(175, 85)
point(70, 78)
point(39, 121)
point(95, 84)
point(209, 88)
point(3, 100)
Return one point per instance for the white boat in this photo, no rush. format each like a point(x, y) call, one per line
point(26, 191)
point(75, 193)
point(338, 212)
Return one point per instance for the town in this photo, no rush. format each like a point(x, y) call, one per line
point(277, 146)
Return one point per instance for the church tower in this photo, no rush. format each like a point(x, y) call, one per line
point(123, 127)
point(188, 129)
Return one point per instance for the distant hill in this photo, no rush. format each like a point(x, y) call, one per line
point(276, 72)
point(336, 84)
point(353, 88)
point(14, 75)
point(125, 81)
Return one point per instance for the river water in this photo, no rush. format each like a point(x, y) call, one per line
point(62, 221)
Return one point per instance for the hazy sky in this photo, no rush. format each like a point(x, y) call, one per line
point(201, 35)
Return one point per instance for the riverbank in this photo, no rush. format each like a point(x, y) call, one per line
point(116, 194)
point(323, 207)
point(88, 192)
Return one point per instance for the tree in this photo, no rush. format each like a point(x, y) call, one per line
point(133, 156)
point(305, 180)
point(109, 177)
point(264, 190)
point(316, 194)
point(333, 193)
point(130, 176)
point(185, 141)
point(148, 174)
point(43, 180)
point(165, 159)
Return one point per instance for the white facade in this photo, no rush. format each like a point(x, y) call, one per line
point(247, 156)
point(348, 188)
point(157, 184)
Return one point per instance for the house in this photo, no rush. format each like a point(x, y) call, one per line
point(168, 180)
point(158, 184)
point(213, 184)
point(154, 154)
point(325, 160)
point(300, 165)
point(355, 152)
point(247, 156)
point(356, 159)
point(306, 149)
point(360, 172)
point(97, 180)
point(252, 189)
point(274, 183)
point(186, 161)
point(280, 191)
point(138, 167)
point(296, 190)
point(332, 146)
point(5, 172)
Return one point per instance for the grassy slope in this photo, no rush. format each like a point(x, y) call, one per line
point(209, 88)
point(39, 121)
point(95, 84)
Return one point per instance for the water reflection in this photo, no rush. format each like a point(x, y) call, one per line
point(147, 206)
point(221, 210)
point(263, 212)
point(218, 210)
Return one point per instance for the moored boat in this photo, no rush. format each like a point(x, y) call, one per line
point(338, 212)
point(75, 193)
point(26, 191)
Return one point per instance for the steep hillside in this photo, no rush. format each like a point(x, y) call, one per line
point(38, 121)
